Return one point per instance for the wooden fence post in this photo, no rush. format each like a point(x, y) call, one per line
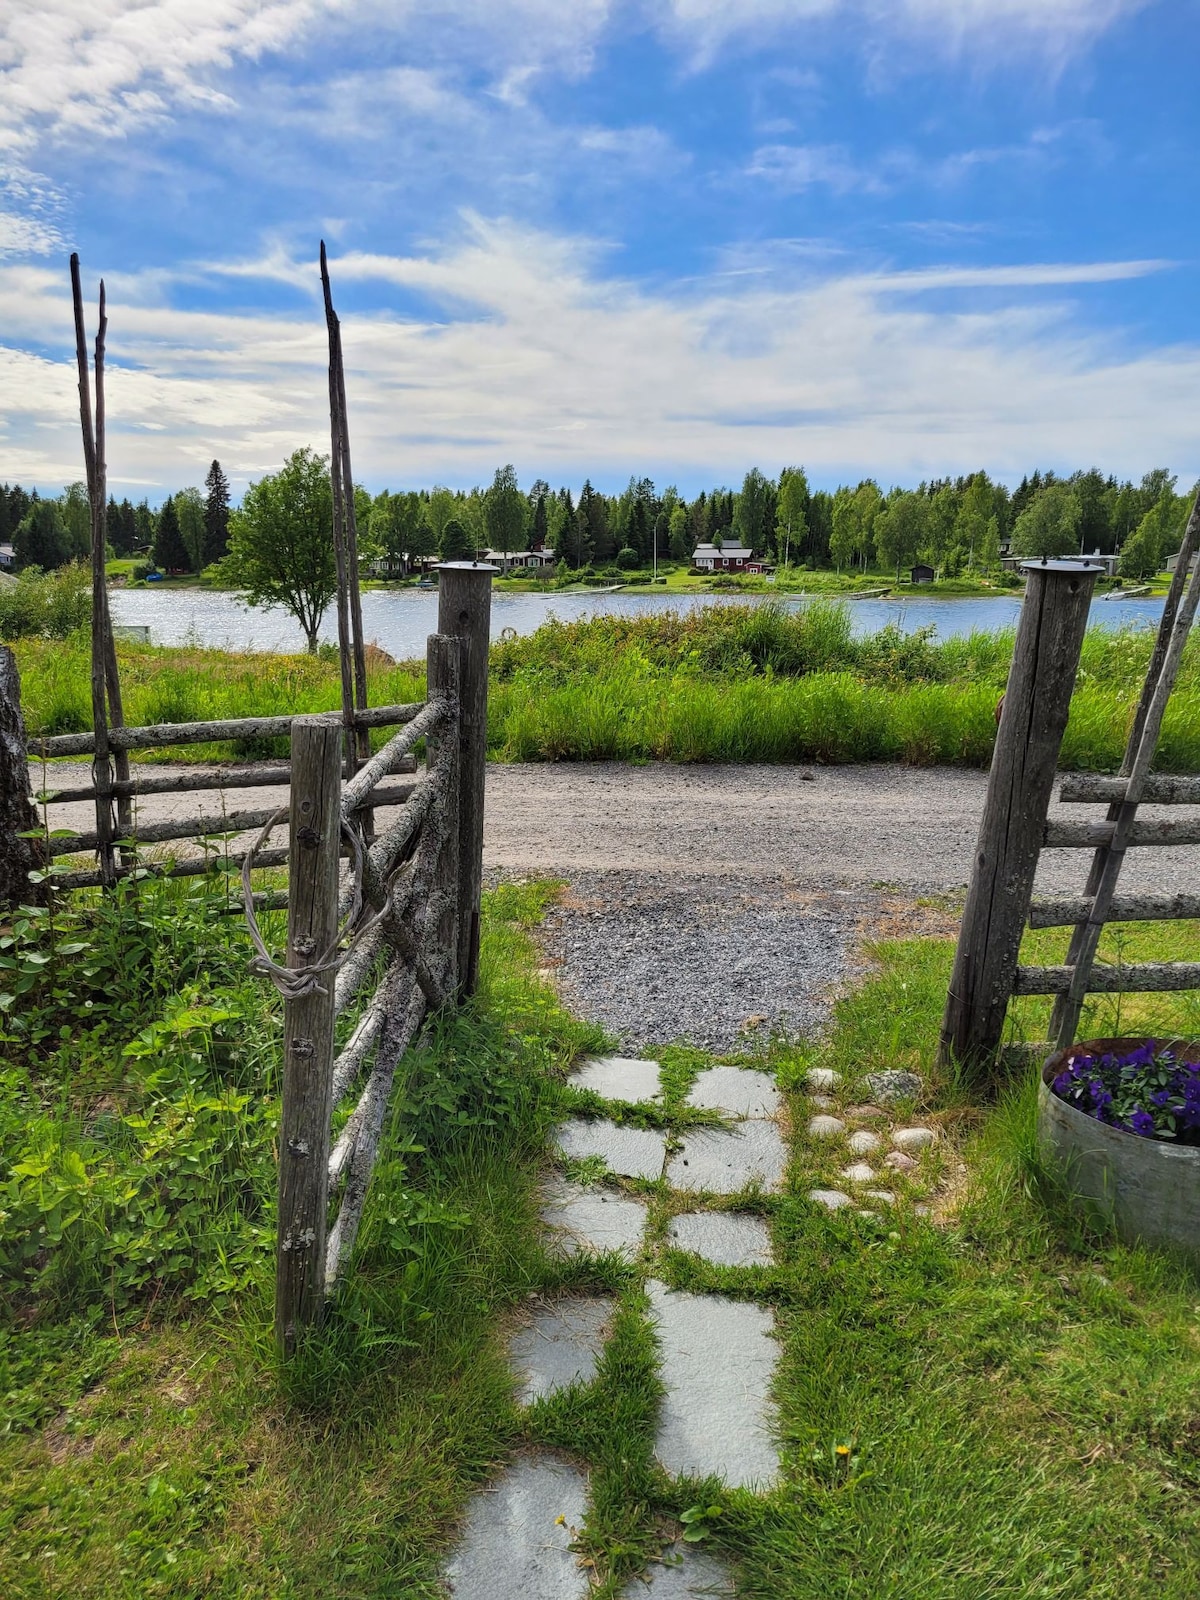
point(1036, 702)
point(18, 856)
point(304, 1137)
point(443, 658)
point(465, 613)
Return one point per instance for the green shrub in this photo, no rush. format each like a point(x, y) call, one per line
point(46, 605)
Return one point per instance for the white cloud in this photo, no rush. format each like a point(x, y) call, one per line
point(540, 358)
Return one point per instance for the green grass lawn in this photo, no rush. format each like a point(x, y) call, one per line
point(1016, 1395)
point(723, 683)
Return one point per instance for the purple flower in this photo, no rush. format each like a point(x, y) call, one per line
point(1142, 1122)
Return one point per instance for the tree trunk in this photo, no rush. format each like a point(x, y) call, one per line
point(18, 856)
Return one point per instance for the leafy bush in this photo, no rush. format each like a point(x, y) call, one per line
point(46, 605)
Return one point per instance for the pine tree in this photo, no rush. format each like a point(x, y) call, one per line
point(216, 515)
point(456, 542)
point(170, 552)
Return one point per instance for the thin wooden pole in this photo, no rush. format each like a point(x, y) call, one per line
point(304, 1137)
point(443, 672)
point(345, 641)
point(1123, 827)
point(465, 613)
point(116, 711)
point(351, 513)
point(1064, 1017)
point(1036, 702)
point(102, 772)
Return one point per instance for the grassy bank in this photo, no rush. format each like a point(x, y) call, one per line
point(1014, 1395)
point(726, 683)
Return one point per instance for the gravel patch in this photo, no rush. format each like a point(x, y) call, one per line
point(655, 957)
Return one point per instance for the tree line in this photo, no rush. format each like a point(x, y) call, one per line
point(955, 525)
point(188, 532)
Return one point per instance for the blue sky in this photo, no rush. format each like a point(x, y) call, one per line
point(674, 237)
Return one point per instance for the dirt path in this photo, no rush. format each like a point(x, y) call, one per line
point(907, 828)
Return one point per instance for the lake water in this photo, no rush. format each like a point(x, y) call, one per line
point(401, 619)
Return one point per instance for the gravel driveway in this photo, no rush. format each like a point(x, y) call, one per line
point(710, 902)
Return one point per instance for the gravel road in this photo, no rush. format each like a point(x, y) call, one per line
point(708, 902)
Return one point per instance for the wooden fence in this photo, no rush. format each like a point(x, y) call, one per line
point(1015, 827)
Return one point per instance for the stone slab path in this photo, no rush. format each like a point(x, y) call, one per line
point(717, 1352)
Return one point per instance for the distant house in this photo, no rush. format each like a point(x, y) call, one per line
point(529, 560)
point(922, 574)
point(1172, 561)
point(758, 565)
point(1109, 563)
point(8, 559)
point(722, 558)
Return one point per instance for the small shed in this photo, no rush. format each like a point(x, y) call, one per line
point(922, 574)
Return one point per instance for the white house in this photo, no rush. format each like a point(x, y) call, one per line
point(1171, 563)
point(8, 559)
point(721, 558)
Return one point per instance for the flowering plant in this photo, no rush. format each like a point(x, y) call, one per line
point(1148, 1091)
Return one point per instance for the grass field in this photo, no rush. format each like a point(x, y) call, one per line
point(1016, 1394)
point(727, 683)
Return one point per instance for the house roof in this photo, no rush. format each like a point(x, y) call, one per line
point(725, 550)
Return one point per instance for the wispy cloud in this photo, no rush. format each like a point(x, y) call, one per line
point(541, 358)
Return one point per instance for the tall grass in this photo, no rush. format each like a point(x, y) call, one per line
point(724, 683)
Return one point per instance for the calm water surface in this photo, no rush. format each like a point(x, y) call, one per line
point(401, 619)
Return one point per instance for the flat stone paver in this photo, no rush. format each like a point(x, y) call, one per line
point(591, 1220)
point(618, 1078)
point(741, 1092)
point(722, 1237)
point(725, 1160)
point(631, 1152)
point(717, 1359)
point(685, 1573)
point(514, 1547)
point(560, 1346)
point(831, 1199)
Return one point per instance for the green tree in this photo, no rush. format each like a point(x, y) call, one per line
point(971, 524)
point(678, 535)
point(791, 513)
point(504, 511)
point(281, 542)
point(1049, 524)
point(77, 519)
point(42, 539)
point(539, 514)
point(144, 525)
point(941, 516)
point(595, 535)
point(1152, 540)
point(457, 544)
point(439, 508)
point(754, 511)
point(189, 508)
point(901, 528)
point(170, 552)
point(216, 515)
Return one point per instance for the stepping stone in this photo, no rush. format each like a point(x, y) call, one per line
point(517, 1536)
point(684, 1573)
point(822, 1078)
point(631, 1152)
point(888, 1087)
point(740, 1092)
point(560, 1346)
point(860, 1172)
point(913, 1138)
point(591, 1220)
point(863, 1142)
point(831, 1199)
point(723, 1237)
point(823, 1102)
point(884, 1196)
point(717, 1362)
point(825, 1127)
point(899, 1162)
point(618, 1078)
point(865, 1113)
point(725, 1160)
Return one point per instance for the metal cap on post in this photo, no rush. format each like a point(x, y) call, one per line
point(1036, 702)
point(465, 613)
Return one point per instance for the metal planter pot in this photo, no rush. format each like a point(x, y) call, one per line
point(1149, 1189)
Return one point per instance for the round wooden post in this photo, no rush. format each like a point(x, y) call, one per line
point(19, 856)
point(314, 843)
point(1036, 702)
point(465, 613)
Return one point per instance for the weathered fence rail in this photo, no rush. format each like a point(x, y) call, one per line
point(1015, 827)
point(403, 906)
